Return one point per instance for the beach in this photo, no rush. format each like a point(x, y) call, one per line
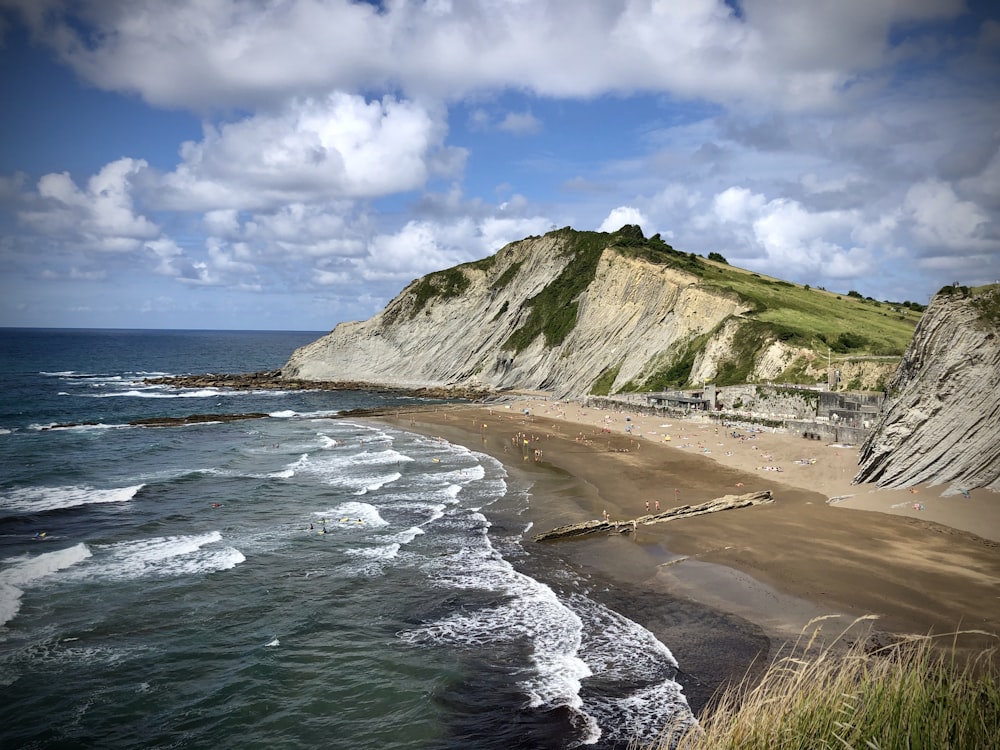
point(921, 563)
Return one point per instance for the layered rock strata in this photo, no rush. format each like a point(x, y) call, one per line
point(940, 422)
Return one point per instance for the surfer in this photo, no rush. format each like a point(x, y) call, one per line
point(39, 536)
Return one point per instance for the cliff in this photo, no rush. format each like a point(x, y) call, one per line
point(940, 422)
point(589, 312)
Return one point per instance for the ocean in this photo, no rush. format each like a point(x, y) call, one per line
point(294, 581)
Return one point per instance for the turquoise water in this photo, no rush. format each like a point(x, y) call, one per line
point(293, 581)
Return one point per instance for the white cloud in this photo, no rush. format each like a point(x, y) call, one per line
point(520, 123)
point(837, 145)
point(100, 216)
point(228, 53)
point(942, 220)
point(737, 205)
point(784, 238)
point(339, 146)
point(169, 257)
point(621, 216)
point(223, 266)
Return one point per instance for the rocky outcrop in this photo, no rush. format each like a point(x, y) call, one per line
point(565, 313)
point(578, 313)
point(940, 421)
point(726, 502)
point(472, 325)
point(273, 380)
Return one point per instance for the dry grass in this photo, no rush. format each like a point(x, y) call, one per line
point(915, 693)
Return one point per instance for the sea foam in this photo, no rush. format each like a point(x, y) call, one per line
point(44, 499)
point(20, 572)
point(160, 556)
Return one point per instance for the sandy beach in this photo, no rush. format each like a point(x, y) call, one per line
point(920, 562)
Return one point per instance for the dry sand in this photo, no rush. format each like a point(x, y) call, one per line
point(921, 562)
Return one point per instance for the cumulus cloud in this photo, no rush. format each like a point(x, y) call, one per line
point(942, 221)
point(229, 53)
point(784, 238)
point(100, 216)
point(813, 143)
point(422, 246)
point(621, 216)
point(334, 147)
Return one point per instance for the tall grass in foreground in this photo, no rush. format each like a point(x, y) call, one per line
point(913, 694)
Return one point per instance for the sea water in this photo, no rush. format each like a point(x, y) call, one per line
point(300, 580)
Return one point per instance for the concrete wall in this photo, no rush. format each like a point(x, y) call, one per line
point(850, 409)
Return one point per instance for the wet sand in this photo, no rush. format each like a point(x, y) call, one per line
point(726, 589)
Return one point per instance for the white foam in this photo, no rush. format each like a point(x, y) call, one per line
point(20, 572)
point(349, 513)
point(54, 427)
point(530, 612)
point(380, 553)
point(283, 474)
point(161, 556)
point(272, 643)
point(358, 472)
point(405, 537)
point(286, 414)
point(378, 483)
point(42, 499)
point(155, 392)
point(465, 475)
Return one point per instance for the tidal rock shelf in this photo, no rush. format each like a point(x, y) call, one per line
point(275, 380)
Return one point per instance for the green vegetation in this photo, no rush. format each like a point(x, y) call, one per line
point(796, 372)
point(451, 282)
point(501, 311)
point(812, 318)
point(553, 310)
point(985, 300)
point(908, 695)
point(816, 319)
point(506, 277)
point(602, 386)
point(676, 372)
point(987, 303)
point(630, 243)
point(751, 337)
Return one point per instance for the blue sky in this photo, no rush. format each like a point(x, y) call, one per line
point(294, 164)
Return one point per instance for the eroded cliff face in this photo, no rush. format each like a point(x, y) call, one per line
point(941, 421)
point(628, 318)
point(619, 310)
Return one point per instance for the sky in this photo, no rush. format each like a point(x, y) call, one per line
point(291, 164)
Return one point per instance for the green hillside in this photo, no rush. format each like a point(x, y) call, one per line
point(831, 324)
point(835, 326)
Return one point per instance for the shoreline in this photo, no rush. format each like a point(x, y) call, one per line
point(888, 553)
